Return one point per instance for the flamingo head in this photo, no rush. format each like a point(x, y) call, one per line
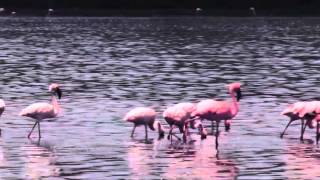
point(55, 90)
point(235, 88)
point(158, 126)
point(227, 125)
point(202, 130)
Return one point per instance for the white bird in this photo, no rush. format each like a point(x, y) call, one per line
point(40, 111)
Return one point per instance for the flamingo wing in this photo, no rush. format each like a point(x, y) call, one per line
point(38, 111)
point(140, 113)
point(188, 107)
point(175, 113)
point(213, 107)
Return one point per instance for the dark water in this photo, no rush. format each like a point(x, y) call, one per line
point(107, 66)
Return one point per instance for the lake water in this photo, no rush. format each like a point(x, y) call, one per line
point(107, 66)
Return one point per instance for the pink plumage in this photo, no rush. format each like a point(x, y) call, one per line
point(40, 111)
point(304, 111)
point(144, 116)
point(141, 114)
point(178, 115)
point(213, 110)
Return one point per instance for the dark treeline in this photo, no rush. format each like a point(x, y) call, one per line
point(268, 6)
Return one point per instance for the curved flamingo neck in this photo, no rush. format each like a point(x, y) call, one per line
point(56, 106)
point(235, 106)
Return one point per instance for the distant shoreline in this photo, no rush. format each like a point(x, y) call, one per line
point(160, 12)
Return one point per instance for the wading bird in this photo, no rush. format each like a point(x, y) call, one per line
point(213, 110)
point(40, 111)
point(179, 115)
point(144, 116)
point(307, 112)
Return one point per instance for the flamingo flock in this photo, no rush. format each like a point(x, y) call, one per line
point(183, 115)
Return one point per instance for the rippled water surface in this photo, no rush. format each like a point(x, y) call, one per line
point(107, 66)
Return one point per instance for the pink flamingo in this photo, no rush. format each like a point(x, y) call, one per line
point(179, 116)
point(144, 116)
point(220, 110)
point(40, 111)
point(299, 111)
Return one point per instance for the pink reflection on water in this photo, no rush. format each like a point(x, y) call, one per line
point(3, 160)
point(302, 161)
point(141, 156)
point(195, 160)
point(201, 161)
point(40, 161)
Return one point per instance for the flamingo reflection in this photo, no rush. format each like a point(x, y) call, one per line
point(302, 161)
point(3, 160)
point(199, 161)
point(40, 161)
point(140, 156)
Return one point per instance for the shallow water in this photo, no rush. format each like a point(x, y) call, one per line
point(107, 66)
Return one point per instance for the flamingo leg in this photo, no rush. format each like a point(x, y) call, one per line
point(217, 134)
point(146, 129)
point(281, 135)
point(212, 127)
point(134, 128)
point(32, 129)
point(185, 132)
point(302, 127)
point(318, 135)
point(170, 133)
point(226, 125)
point(200, 128)
point(39, 130)
point(176, 137)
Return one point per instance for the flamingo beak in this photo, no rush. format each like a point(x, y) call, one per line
point(227, 125)
point(161, 132)
point(203, 132)
point(59, 93)
point(239, 95)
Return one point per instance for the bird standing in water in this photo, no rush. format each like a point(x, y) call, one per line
point(213, 110)
point(144, 116)
point(40, 111)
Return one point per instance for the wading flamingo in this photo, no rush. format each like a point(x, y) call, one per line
point(144, 116)
point(213, 110)
point(179, 116)
point(40, 111)
point(300, 111)
point(309, 111)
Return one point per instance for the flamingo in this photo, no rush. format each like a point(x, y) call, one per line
point(213, 110)
point(299, 111)
point(179, 116)
point(144, 116)
point(40, 111)
point(309, 111)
